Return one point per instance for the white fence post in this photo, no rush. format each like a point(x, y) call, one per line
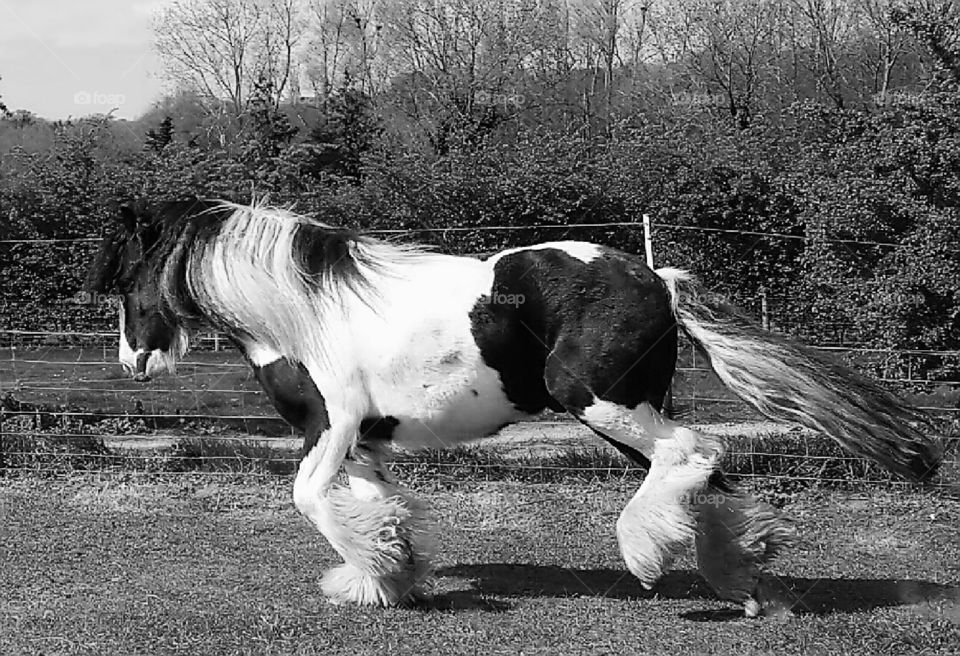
point(648, 240)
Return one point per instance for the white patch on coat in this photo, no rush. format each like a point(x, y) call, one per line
point(260, 355)
point(581, 250)
point(420, 362)
point(400, 345)
point(635, 428)
point(128, 358)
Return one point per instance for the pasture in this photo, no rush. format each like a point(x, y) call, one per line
point(106, 552)
point(225, 565)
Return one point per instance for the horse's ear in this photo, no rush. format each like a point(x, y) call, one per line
point(128, 218)
point(104, 271)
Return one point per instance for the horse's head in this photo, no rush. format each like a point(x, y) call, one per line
point(130, 262)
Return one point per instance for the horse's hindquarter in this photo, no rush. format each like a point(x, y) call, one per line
point(572, 322)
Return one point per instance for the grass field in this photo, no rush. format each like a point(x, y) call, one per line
point(214, 565)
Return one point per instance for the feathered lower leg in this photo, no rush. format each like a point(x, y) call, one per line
point(736, 535)
point(381, 531)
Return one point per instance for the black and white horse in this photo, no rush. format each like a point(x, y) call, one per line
point(365, 345)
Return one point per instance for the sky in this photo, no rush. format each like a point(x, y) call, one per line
point(61, 58)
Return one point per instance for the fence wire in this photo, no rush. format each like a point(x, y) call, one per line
point(65, 404)
point(73, 409)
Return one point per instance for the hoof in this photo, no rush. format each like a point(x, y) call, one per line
point(347, 584)
point(648, 571)
point(767, 600)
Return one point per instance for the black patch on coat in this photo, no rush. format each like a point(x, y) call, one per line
point(631, 454)
point(296, 397)
point(378, 429)
point(573, 331)
point(325, 252)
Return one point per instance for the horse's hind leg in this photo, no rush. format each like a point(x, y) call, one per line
point(685, 497)
point(734, 532)
point(660, 520)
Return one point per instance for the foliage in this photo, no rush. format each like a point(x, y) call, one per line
point(158, 139)
point(845, 218)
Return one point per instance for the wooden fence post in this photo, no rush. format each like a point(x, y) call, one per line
point(764, 310)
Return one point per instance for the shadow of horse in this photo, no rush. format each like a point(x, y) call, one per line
point(784, 594)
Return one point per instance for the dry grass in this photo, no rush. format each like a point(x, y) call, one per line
point(208, 564)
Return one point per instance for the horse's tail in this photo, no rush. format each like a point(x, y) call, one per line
point(789, 382)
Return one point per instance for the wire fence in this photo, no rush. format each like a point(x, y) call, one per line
point(66, 404)
point(74, 408)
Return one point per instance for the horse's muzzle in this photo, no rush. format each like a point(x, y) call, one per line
point(140, 370)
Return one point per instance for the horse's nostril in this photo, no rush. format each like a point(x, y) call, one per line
point(141, 377)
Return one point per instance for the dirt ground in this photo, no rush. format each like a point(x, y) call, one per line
point(208, 564)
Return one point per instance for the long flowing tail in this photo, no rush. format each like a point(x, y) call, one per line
point(789, 382)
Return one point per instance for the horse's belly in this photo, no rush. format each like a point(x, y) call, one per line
point(450, 412)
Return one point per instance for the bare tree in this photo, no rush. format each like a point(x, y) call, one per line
point(935, 25)
point(345, 45)
point(283, 29)
point(886, 43)
point(832, 28)
point(225, 47)
point(734, 39)
point(3, 108)
point(598, 25)
point(470, 54)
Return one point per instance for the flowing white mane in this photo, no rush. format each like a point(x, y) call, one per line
point(250, 276)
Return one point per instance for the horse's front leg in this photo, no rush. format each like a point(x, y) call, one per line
point(380, 533)
point(392, 545)
point(378, 530)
